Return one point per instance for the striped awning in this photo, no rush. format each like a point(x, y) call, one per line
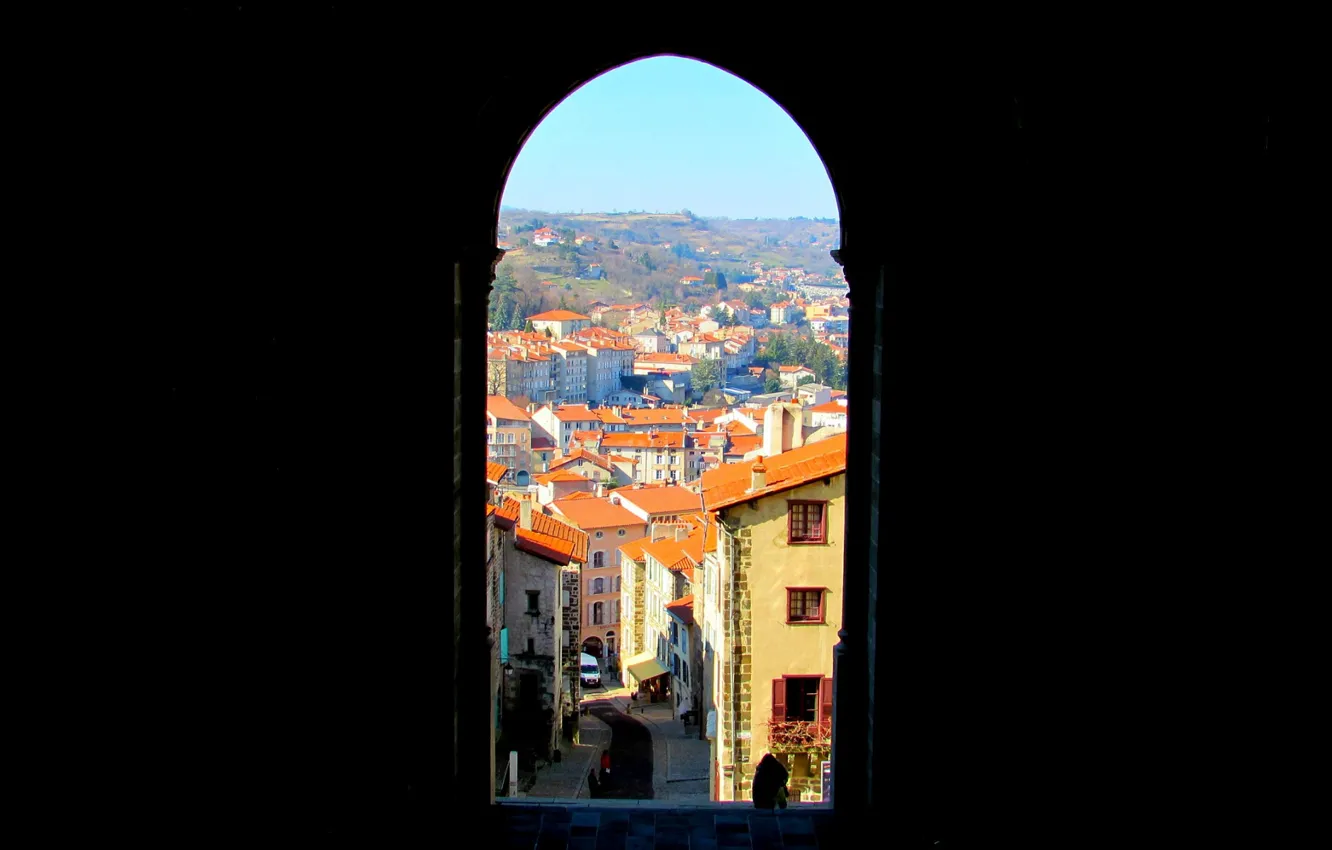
point(644, 666)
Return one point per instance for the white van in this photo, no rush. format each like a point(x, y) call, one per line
point(591, 673)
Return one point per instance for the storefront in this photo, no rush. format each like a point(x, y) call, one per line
point(646, 676)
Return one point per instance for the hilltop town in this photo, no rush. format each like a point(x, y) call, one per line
point(645, 455)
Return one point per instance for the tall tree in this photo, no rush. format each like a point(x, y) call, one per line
point(706, 374)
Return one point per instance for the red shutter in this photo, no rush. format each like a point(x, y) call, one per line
point(825, 700)
point(779, 700)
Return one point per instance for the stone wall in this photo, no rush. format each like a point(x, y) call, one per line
point(741, 653)
point(524, 572)
point(571, 631)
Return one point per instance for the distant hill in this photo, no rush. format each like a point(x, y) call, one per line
point(638, 256)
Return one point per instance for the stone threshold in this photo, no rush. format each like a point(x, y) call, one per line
point(667, 805)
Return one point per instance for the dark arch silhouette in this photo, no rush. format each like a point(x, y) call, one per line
point(315, 200)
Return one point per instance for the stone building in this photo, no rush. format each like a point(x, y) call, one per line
point(541, 613)
point(773, 606)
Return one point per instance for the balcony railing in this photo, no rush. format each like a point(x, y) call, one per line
point(799, 736)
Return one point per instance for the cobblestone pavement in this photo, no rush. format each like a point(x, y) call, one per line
point(680, 758)
point(567, 779)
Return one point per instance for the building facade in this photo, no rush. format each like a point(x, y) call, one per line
point(541, 685)
point(772, 614)
point(609, 527)
point(509, 437)
point(560, 323)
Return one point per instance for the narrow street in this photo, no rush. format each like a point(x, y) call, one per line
point(630, 751)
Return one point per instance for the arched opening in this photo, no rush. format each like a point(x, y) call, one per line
point(551, 258)
point(342, 190)
point(593, 646)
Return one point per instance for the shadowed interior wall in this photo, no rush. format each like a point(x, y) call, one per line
point(313, 196)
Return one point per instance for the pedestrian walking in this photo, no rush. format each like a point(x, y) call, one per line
point(770, 783)
point(605, 759)
point(593, 786)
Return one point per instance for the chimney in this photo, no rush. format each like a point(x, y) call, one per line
point(525, 512)
point(758, 478)
point(601, 489)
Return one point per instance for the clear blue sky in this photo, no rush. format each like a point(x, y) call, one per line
point(666, 134)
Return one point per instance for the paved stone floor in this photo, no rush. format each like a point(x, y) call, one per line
point(627, 828)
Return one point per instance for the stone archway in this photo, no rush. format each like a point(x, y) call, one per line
point(512, 125)
point(593, 646)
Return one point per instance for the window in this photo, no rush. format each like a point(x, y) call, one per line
point(598, 561)
point(615, 584)
point(806, 698)
point(598, 584)
point(533, 601)
point(804, 604)
point(620, 532)
point(531, 646)
point(600, 535)
point(684, 675)
point(658, 474)
point(805, 522)
point(598, 613)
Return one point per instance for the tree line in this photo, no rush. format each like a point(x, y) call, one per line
point(801, 351)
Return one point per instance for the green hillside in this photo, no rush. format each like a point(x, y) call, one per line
point(643, 256)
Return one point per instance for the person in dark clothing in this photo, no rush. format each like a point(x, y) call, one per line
point(593, 786)
point(604, 780)
point(770, 783)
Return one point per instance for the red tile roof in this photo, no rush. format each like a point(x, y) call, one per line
point(581, 454)
point(495, 471)
point(634, 550)
point(544, 545)
point(509, 514)
point(728, 485)
point(678, 555)
point(626, 440)
point(649, 416)
point(501, 408)
point(661, 500)
point(683, 609)
point(596, 513)
point(558, 316)
point(743, 444)
point(828, 407)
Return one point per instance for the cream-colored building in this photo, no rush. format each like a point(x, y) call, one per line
point(771, 593)
point(670, 458)
point(560, 323)
point(509, 437)
point(609, 527)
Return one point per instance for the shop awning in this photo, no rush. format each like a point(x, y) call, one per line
point(644, 666)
